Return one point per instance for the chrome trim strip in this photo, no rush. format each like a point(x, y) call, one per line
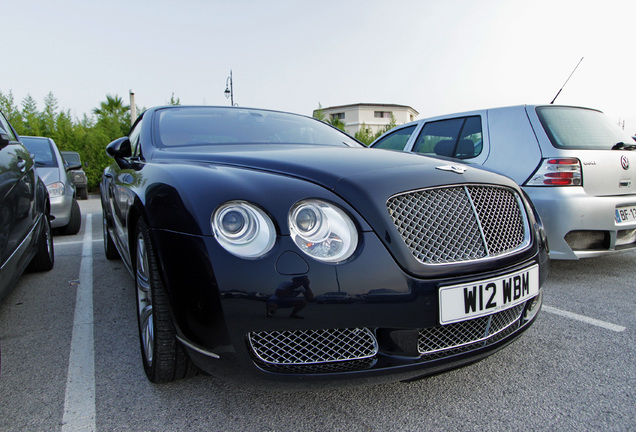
point(197, 349)
point(481, 228)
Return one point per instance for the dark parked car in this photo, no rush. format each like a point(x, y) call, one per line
point(25, 229)
point(268, 246)
point(52, 169)
point(573, 162)
point(78, 176)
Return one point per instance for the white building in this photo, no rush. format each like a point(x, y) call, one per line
point(373, 116)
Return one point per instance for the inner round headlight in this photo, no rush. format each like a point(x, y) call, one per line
point(322, 230)
point(243, 229)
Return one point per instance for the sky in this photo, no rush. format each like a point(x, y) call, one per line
point(437, 56)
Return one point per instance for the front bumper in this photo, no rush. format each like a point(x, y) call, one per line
point(61, 210)
point(220, 304)
point(581, 226)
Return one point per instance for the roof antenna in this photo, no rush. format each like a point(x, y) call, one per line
point(566, 81)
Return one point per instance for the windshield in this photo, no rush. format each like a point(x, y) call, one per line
point(41, 149)
point(580, 128)
point(191, 126)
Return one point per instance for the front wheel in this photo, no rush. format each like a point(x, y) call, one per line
point(45, 255)
point(109, 245)
point(75, 221)
point(164, 358)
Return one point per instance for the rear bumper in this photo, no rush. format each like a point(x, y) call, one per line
point(569, 210)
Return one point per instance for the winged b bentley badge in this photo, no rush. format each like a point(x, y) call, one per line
point(459, 169)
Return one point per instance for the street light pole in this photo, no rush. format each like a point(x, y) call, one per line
point(229, 89)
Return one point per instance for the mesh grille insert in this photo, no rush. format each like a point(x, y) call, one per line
point(306, 347)
point(444, 337)
point(460, 223)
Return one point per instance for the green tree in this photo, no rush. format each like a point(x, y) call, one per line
point(30, 117)
point(10, 110)
point(174, 101)
point(320, 113)
point(113, 116)
point(365, 134)
point(48, 117)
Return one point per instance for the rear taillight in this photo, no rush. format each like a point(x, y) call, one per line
point(557, 172)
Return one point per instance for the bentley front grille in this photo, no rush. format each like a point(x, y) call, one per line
point(460, 223)
point(464, 335)
point(307, 351)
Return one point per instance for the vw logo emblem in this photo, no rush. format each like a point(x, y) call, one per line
point(625, 162)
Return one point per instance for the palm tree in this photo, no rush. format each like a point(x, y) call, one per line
point(114, 106)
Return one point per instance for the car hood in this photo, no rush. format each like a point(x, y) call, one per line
point(48, 175)
point(343, 170)
point(364, 178)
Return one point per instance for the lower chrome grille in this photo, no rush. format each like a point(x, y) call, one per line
point(466, 333)
point(310, 347)
point(355, 349)
point(460, 223)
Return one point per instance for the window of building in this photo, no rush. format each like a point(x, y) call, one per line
point(382, 114)
point(338, 116)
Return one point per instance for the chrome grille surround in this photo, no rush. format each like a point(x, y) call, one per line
point(312, 347)
point(465, 334)
point(460, 223)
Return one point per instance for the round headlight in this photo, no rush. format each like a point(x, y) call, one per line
point(243, 229)
point(322, 230)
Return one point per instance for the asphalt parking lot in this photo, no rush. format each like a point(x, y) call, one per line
point(72, 362)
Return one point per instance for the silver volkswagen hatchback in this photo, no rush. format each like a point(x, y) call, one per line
point(50, 166)
point(573, 162)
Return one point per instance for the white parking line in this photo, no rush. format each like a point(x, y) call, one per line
point(79, 403)
point(584, 319)
point(64, 243)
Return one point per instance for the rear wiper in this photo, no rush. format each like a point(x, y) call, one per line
point(622, 146)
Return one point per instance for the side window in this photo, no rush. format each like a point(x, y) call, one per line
point(396, 140)
point(459, 138)
point(7, 128)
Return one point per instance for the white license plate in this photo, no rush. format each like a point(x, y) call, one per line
point(484, 297)
point(625, 214)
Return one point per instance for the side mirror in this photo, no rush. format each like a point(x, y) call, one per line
point(119, 150)
point(5, 139)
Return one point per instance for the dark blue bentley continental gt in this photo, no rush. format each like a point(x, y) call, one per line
point(270, 247)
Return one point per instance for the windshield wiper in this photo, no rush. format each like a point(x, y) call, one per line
point(622, 146)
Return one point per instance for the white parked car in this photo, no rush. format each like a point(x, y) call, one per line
point(576, 165)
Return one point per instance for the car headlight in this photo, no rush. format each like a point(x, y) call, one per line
point(243, 229)
point(322, 231)
point(55, 189)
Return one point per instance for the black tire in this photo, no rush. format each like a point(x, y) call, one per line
point(109, 245)
point(74, 222)
point(164, 358)
point(45, 256)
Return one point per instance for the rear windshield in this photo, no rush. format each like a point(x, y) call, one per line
point(41, 149)
point(71, 157)
point(580, 128)
point(197, 126)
